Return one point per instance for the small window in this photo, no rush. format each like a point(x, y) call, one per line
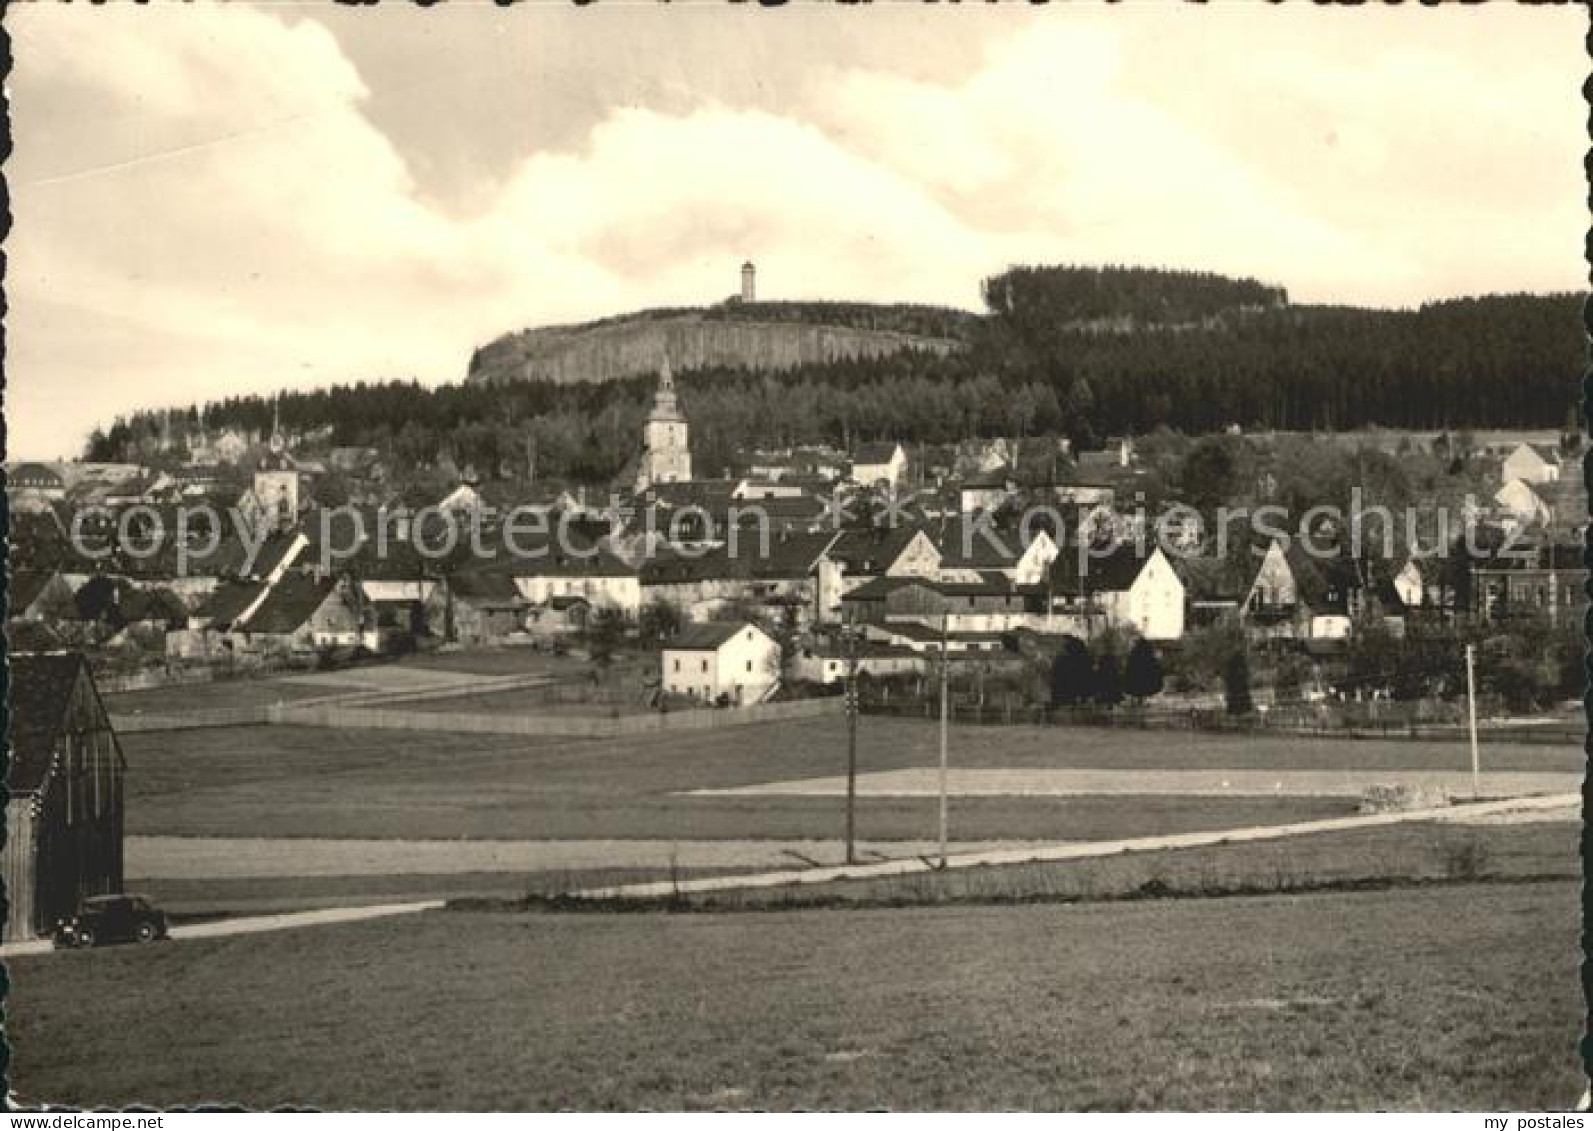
point(749, 665)
point(705, 665)
point(677, 663)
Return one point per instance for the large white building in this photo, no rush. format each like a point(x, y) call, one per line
point(666, 455)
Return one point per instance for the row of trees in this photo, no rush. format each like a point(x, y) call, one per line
point(1104, 677)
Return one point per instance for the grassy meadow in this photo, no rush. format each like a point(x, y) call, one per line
point(309, 781)
point(1449, 998)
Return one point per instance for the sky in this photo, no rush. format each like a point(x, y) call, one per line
point(214, 200)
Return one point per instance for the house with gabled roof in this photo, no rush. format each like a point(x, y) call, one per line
point(485, 606)
point(1531, 463)
point(991, 604)
point(1120, 586)
point(858, 555)
point(828, 662)
point(734, 662)
point(1521, 503)
point(880, 463)
point(1310, 596)
point(299, 614)
point(969, 547)
point(65, 812)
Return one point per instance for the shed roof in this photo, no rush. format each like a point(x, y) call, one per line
point(41, 686)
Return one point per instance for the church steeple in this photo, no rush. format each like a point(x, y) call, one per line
point(666, 455)
point(277, 442)
point(665, 405)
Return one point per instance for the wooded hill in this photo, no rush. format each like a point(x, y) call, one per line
point(1087, 352)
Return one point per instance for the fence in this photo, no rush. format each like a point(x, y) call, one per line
point(191, 720)
point(1297, 723)
point(268, 713)
point(552, 726)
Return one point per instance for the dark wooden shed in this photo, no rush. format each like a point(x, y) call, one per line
point(64, 816)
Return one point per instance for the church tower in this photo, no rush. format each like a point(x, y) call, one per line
point(666, 456)
point(276, 480)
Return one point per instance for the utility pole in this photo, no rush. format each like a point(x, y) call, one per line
point(1471, 710)
point(945, 673)
point(851, 744)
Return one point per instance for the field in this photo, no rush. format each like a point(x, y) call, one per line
point(307, 782)
point(413, 673)
point(224, 693)
point(267, 818)
point(1451, 999)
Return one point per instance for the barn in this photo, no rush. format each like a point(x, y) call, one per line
point(64, 816)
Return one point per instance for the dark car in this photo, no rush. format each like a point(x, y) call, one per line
point(110, 919)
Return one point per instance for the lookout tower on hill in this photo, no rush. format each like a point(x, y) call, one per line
point(666, 455)
point(749, 282)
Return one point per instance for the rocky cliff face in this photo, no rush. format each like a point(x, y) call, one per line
point(621, 349)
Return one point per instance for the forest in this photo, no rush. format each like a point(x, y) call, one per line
point(1195, 353)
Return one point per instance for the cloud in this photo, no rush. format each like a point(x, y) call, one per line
point(204, 206)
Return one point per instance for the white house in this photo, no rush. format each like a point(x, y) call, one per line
point(736, 660)
point(1152, 600)
point(1520, 501)
point(1531, 463)
point(880, 462)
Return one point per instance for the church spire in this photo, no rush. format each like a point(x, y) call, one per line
point(665, 406)
point(277, 443)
